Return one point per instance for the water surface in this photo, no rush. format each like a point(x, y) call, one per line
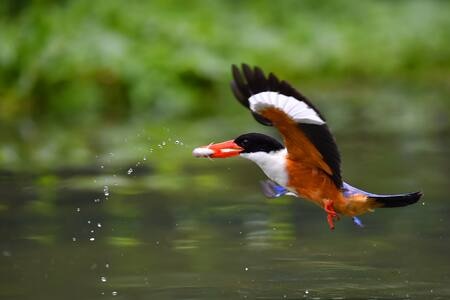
point(205, 231)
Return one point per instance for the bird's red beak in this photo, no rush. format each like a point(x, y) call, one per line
point(219, 150)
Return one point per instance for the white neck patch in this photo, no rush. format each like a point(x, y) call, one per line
point(298, 110)
point(273, 164)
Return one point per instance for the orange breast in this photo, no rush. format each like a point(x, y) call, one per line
point(315, 185)
point(312, 183)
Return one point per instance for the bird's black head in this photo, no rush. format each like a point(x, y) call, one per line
point(257, 142)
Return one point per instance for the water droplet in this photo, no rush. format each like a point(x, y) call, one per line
point(106, 190)
point(89, 221)
point(145, 158)
point(163, 143)
point(130, 170)
point(246, 268)
point(78, 209)
point(177, 142)
point(99, 225)
point(114, 293)
point(107, 266)
point(74, 239)
point(96, 200)
point(103, 279)
point(306, 292)
point(102, 166)
point(92, 231)
point(92, 239)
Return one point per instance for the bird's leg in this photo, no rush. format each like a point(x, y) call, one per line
point(358, 222)
point(331, 213)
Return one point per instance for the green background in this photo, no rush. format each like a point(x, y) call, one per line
point(74, 74)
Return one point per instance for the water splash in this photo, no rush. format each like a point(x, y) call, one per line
point(106, 190)
point(130, 170)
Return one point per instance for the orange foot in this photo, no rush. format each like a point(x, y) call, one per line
point(331, 213)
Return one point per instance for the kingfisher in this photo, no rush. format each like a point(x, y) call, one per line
point(307, 164)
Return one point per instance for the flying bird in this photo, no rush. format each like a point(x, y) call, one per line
point(308, 164)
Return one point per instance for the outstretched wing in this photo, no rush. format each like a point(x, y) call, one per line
point(276, 103)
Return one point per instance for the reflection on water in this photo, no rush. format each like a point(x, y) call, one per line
point(208, 233)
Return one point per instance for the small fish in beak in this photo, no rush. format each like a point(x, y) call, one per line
point(219, 150)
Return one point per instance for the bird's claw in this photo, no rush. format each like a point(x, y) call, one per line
point(331, 213)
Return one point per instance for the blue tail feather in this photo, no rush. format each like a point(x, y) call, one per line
point(395, 200)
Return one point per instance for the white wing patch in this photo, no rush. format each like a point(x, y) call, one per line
point(298, 110)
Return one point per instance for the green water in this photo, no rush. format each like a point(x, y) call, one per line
point(204, 230)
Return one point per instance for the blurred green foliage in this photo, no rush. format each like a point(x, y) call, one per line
point(68, 68)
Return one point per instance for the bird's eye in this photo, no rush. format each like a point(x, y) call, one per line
point(245, 141)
